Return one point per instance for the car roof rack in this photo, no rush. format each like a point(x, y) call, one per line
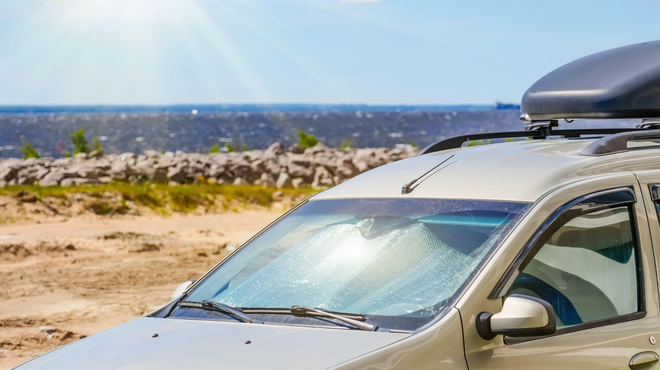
point(457, 141)
point(618, 143)
point(619, 83)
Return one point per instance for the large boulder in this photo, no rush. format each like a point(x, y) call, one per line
point(266, 179)
point(276, 149)
point(96, 154)
point(53, 178)
point(318, 148)
point(42, 171)
point(322, 178)
point(296, 149)
point(159, 175)
point(300, 166)
point(216, 171)
point(120, 170)
point(144, 169)
point(7, 173)
point(150, 153)
point(27, 176)
point(283, 180)
point(128, 158)
point(102, 164)
point(299, 182)
point(87, 171)
point(176, 174)
point(346, 169)
point(242, 170)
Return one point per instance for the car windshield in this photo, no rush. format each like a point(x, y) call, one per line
point(399, 262)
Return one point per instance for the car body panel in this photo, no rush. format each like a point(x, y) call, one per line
point(197, 344)
point(438, 347)
point(520, 171)
point(604, 347)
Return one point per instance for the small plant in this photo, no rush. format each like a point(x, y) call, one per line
point(79, 142)
point(101, 208)
point(229, 147)
point(29, 151)
point(61, 148)
point(97, 145)
point(346, 143)
point(215, 149)
point(306, 140)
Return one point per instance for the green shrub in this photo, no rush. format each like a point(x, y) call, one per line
point(215, 149)
point(101, 208)
point(346, 143)
point(306, 140)
point(29, 151)
point(97, 145)
point(79, 142)
point(229, 147)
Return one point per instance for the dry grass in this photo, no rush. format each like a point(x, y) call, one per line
point(161, 198)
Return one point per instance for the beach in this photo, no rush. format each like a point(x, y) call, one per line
point(67, 278)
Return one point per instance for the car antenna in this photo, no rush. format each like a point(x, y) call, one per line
point(408, 188)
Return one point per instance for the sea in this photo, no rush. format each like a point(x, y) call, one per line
point(197, 128)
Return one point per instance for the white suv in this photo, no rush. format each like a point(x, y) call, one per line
point(532, 254)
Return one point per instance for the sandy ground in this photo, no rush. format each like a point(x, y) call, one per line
point(64, 280)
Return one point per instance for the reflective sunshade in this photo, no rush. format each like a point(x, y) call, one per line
point(383, 258)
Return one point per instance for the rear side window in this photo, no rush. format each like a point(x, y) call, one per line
point(587, 270)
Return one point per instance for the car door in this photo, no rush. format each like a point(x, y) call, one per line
point(650, 188)
point(591, 258)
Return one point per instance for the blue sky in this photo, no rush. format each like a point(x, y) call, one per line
point(300, 51)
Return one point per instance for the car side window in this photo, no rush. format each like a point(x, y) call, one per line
point(587, 270)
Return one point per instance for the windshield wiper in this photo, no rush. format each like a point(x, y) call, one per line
point(215, 306)
point(299, 310)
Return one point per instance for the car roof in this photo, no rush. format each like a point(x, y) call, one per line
point(520, 171)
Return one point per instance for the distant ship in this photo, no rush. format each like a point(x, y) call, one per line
point(504, 106)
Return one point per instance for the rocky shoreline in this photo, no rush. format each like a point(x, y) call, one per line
point(319, 167)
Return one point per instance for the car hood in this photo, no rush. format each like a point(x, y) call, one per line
point(187, 344)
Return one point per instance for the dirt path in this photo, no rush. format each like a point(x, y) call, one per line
point(62, 281)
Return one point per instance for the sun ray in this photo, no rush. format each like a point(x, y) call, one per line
point(305, 60)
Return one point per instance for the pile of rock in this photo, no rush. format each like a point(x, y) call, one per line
point(320, 167)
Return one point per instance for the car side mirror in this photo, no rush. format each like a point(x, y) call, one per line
point(521, 316)
point(181, 289)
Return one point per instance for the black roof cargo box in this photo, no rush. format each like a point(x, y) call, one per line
point(617, 83)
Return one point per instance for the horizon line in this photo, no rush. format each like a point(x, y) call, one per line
point(247, 107)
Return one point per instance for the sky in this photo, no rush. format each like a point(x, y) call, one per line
point(379, 52)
